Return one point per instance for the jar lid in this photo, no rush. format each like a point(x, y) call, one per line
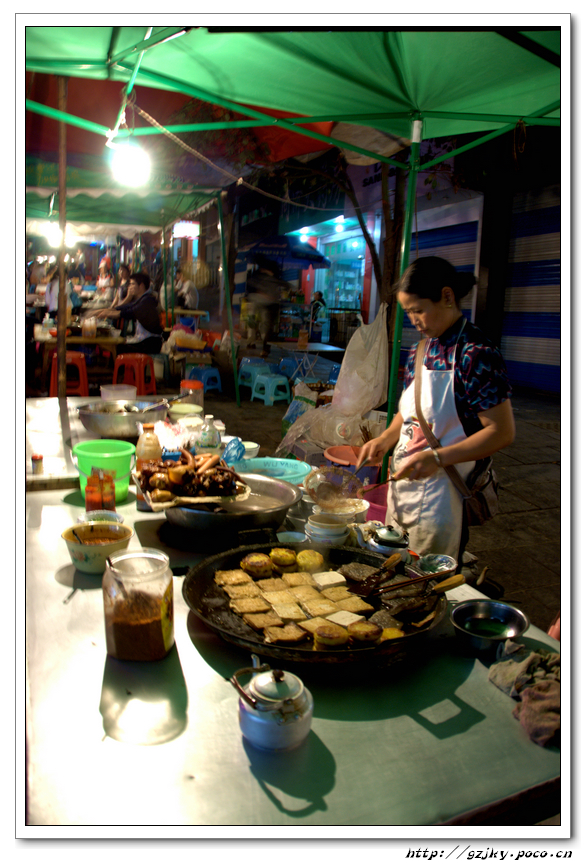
point(36, 456)
point(276, 686)
point(191, 384)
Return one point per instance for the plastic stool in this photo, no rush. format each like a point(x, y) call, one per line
point(271, 388)
point(209, 376)
point(78, 387)
point(133, 367)
point(248, 373)
point(253, 361)
point(288, 366)
point(334, 373)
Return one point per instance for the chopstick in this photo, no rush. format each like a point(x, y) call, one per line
point(404, 584)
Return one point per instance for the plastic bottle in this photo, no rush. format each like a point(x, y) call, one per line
point(209, 436)
point(148, 448)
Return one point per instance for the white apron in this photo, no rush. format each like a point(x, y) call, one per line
point(430, 510)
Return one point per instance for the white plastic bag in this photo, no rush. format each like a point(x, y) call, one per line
point(363, 380)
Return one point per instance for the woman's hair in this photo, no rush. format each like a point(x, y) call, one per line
point(124, 267)
point(425, 278)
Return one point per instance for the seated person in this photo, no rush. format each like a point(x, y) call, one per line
point(187, 294)
point(140, 306)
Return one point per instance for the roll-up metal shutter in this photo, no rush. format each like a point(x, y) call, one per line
point(458, 244)
point(531, 324)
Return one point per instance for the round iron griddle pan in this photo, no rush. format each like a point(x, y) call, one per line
point(211, 604)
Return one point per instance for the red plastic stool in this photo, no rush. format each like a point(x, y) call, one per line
point(75, 387)
point(134, 367)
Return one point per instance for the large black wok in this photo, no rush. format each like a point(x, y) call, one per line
point(210, 603)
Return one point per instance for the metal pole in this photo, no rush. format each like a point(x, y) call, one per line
point(62, 302)
point(164, 257)
point(227, 293)
point(405, 252)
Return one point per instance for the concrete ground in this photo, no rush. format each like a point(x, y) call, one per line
point(521, 547)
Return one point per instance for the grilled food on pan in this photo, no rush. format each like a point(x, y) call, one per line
point(257, 565)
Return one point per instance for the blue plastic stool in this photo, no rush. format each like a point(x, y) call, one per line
point(271, 388)
point(209, 376)
point(247, 374)
point(288, 366)
point(334, 373)
point(254, 361)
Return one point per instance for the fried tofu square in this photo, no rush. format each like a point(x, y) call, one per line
point(281, 597)
point(311, 625)
point(250, 605)
point(231, 578)
point(299, 578)
point(337, 593)
point(305, 593)
point(354, 605)
point(259, 621)
point(290, 633)
point(289, 612)
point(273, 584)
point(242, 590)
point(319, 607)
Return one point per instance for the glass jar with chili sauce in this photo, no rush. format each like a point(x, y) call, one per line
point(93, 494)
point(108, 493)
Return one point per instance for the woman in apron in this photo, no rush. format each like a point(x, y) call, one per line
point(465, 399)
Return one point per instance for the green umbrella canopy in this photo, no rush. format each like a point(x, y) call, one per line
point(457, 80)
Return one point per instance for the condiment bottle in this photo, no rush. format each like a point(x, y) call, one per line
point(209, 436)
point(148, 448)
point(137, 588)
point(37, 464)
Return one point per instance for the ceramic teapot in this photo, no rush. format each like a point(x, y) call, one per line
point(275, 708)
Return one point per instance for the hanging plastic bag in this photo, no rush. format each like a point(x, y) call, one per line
point(363, 380)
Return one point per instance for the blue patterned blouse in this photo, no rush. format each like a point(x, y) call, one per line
point(481, 380)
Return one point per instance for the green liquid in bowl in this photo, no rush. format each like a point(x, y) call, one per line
point(484, 627)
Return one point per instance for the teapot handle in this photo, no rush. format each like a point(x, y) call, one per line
point(234, 681)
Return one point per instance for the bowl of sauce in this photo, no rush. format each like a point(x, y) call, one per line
point(91, 543)
point(481, 624)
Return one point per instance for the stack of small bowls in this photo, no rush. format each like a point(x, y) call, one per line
point(327, 529)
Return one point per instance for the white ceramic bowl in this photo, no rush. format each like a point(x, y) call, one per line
point(353, 511)
point(101, 516)
point(181, 410)
point(331, 539)
point(91, 558)
point(251, 450)
point(326, 526)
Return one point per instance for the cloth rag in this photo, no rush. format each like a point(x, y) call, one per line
point(533, 678)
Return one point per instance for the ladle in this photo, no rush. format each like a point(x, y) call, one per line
point(329, 494)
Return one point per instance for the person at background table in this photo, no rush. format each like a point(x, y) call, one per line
point(140, 306)
point(105, 282)
point(465, 399)
point(318, 305)
point(52, 290)
point(264, 288)
point(187, 294)
point(123, 284)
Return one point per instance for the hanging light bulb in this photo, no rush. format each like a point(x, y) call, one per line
point(131, 166)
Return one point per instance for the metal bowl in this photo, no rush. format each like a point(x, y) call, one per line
point(108, 418)
point(266, 507)
point(481, 625)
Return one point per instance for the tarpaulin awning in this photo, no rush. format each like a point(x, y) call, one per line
point(410, 82)
point(289, 252)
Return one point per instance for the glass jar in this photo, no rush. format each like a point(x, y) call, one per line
point(192, 391)
point(138, 605)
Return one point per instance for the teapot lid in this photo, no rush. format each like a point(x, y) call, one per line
point(276, 686)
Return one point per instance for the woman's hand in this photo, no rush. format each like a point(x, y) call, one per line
point(417, 467)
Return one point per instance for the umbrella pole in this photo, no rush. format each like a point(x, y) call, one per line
point(62, 299)
point(227, 293)
point(414, 162)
